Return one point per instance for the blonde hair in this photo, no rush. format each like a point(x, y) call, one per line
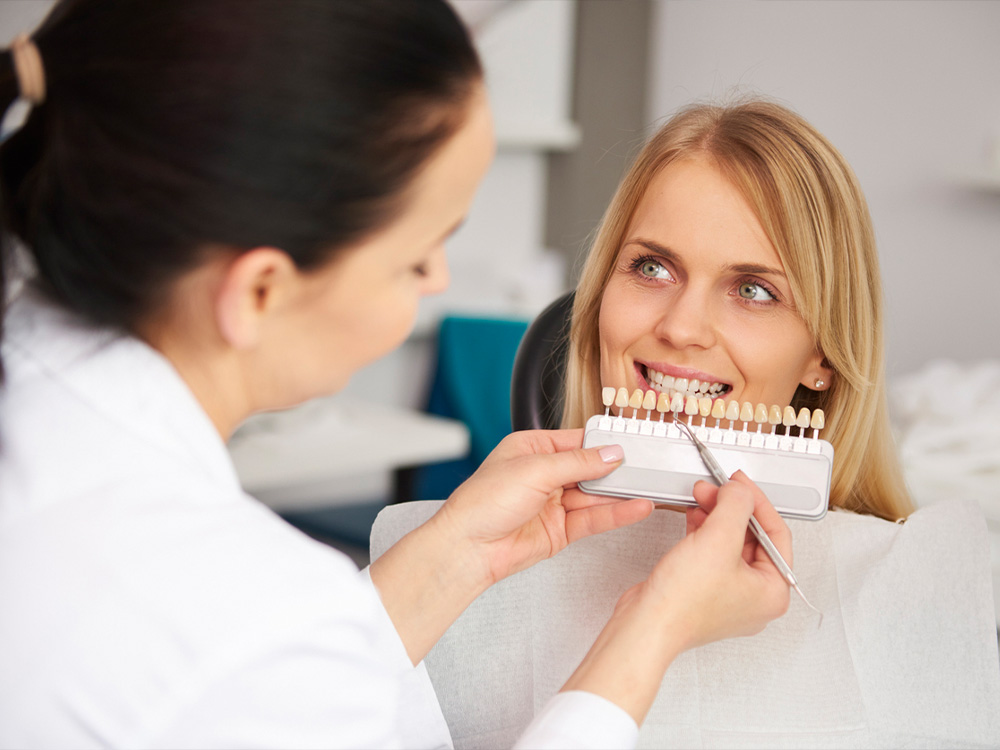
point(811, 207)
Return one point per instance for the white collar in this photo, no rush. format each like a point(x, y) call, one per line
point(120, 377)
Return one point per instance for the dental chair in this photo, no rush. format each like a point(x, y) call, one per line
point(536, 381)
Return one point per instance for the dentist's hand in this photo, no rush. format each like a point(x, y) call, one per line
point(523, 504)
point(715, 583)
point(719, 579)
point(520, 507)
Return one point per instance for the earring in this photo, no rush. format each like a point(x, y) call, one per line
point(820, 383)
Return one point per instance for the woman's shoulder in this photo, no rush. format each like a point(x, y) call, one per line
point(940, 553)
point(956, 515)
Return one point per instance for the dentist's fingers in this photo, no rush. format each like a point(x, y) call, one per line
point(730, 515)
point(599, 516)
point(705, 494)
point(768, 518)
point(551, 459)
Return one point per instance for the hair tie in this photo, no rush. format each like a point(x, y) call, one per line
point(28, 68)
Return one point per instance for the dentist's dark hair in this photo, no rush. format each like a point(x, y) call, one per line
point(174, 127)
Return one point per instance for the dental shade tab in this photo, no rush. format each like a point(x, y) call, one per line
point(791, 467)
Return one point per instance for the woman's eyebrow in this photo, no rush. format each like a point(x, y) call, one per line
point(654, 247)
point(755, 268)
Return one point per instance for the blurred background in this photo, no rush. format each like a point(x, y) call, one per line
point(908, 90)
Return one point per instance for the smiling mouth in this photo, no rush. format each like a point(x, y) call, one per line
point(663, 383)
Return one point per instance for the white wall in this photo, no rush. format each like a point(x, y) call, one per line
point(910, 94)
point(20, 15)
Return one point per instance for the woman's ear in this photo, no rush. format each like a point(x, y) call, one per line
point(253, 287)
point(818, 375)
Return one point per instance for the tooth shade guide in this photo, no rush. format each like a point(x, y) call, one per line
point(765, 452)
point(662, 471)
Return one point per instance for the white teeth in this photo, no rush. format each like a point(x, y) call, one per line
point(663, 383)
point(686, 387)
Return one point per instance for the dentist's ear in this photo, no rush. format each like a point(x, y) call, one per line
point(252, 288)
point(818, 375)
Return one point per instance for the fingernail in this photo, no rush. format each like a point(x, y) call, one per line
point(611, 453)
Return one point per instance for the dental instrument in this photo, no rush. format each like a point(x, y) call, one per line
point(772, 552)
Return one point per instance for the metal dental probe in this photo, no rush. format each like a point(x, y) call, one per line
point(720, 478)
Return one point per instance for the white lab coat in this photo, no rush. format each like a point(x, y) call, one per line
point(147, 601)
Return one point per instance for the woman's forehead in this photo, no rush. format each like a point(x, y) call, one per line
point(692, 209)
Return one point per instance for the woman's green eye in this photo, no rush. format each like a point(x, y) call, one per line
point(755, 292)
point(652, 269)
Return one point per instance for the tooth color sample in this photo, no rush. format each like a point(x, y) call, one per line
point(818, 421)
point(621, 400)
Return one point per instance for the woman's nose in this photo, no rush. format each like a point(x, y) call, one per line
point(687, 320)
point(436, 273)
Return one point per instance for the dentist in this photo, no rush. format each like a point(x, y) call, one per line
point(230, 206)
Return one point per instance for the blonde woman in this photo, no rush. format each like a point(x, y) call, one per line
point(739, 252)
point(813, 216)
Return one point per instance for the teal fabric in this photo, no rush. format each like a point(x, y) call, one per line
point(475, 358)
